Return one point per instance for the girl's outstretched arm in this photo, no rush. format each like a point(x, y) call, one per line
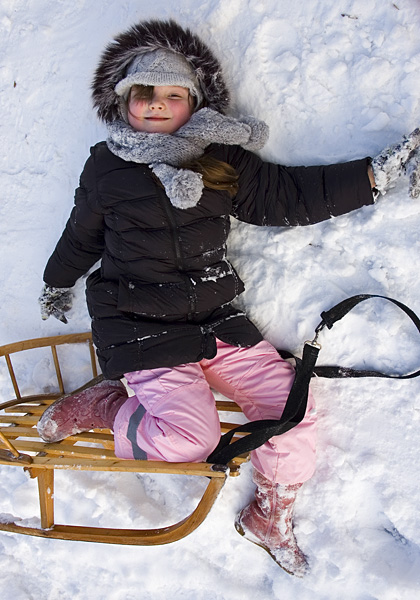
point(276, 195)
point(82, 241)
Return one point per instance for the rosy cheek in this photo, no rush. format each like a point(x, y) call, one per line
point(135, 106)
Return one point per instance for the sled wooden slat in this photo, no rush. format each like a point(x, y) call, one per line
point(71, 338)
point(12, 376)
point(46, 497)
point(129, 466)
point(227, 405)
point(26, 409)
point(21, 446)
point(31, 432)
point(63, 450)
point(47, 399)
point(57, 369)
point(22, 420)
point(11, 448)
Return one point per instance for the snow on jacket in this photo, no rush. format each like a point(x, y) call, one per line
point(164, 289)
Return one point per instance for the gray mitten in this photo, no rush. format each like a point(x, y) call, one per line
point(396, 160)
point(413, 172)
point(55, 301)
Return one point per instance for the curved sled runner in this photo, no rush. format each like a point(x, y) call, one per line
point(20, 445)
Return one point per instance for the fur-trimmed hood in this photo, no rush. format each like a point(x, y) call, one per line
point(152, 35)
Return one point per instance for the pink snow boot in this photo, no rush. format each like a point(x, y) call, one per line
point(267, 522)
point(93, 407)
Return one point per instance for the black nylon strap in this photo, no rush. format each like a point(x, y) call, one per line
point(330, 317)
point(334, 372)
point(337, 372)
point(340, 310)
point(294, 411)
point(261, 431)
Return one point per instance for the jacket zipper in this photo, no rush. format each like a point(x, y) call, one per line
point(192, 298)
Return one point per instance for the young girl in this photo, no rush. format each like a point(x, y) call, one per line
point(154, 204)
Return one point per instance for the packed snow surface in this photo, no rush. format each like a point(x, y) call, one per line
point(335, 80)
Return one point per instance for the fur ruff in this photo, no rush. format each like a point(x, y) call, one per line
point(147, 36)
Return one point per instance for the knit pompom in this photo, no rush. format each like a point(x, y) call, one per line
point(183, 187)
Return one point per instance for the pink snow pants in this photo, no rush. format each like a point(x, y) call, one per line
point(172, 416)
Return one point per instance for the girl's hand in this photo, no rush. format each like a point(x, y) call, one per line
point(398, 159)
point(371, 177)
point(55, 301)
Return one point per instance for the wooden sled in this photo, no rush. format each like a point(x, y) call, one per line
point(20, 445)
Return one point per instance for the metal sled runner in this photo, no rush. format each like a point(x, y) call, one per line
point(21, 446)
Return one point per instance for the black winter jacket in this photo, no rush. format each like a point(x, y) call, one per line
point(164, 289)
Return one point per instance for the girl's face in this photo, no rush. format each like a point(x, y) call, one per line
point(165, 111)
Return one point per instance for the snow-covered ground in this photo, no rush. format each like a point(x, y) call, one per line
point(335, 80)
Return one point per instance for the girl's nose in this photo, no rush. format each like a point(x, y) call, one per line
point(156, 103)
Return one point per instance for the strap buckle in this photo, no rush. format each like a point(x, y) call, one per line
point(314, 343)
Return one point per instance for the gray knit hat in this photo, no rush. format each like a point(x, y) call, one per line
point(160, 67)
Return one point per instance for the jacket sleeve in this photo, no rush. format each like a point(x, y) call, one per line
point(82, 241)
point(271, 194)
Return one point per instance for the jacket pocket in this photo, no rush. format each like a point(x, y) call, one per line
point(154, 300)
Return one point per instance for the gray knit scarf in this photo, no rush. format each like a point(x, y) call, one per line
point(165, 153)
